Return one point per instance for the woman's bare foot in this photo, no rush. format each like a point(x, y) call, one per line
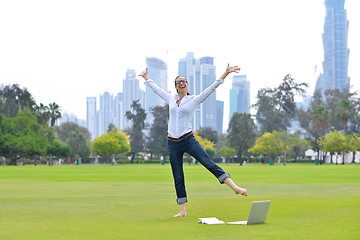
point(241, 191)
point(180, 214)
point(238, 190)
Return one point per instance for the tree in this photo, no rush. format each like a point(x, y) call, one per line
point(242, 133)
point(276, 107)
point(334, 142)
point(267, 115)
point(158, 131)
point(210, 151)
point(111, 128)
point(67, 127)
point(320, 116)
point(59, 150)
point(21, 137)
point(42, 113)
point(298, 145)
point(111, 143)
point(354, 124)
point(333, 104)
point(345, 112)
point(227, 152)
point(205, 143)
point(266, 145)
point(353, 144)
point(14, 99)
point(80, 145)
point(285, 142)
point(55, 113)
point(208, 133)
point(315, 120)
point(136, 131)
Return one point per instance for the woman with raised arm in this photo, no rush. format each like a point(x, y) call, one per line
point(181, 140)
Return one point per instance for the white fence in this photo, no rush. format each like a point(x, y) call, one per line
point(348, 157)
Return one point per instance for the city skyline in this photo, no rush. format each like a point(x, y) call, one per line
point(200, 74)
point(64, 60)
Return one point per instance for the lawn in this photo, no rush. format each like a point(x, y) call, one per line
point(137, 202)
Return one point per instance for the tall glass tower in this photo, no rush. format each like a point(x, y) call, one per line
point(158, 73)
point(207, 76)
point(106, 112)
point(91, 116)
point(239, 95)
point(131, 92)
point(336, 52)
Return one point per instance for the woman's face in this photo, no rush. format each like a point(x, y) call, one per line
point(181, 85)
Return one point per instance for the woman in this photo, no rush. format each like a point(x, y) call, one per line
point(180, 137)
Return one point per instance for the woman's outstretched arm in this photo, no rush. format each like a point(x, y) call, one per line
point(207, 92)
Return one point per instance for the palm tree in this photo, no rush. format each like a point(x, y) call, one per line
point(54, 113)
point(320, 116)
point(42, 113)
point(345, 112)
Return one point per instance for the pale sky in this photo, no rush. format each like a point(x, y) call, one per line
point(65, 51)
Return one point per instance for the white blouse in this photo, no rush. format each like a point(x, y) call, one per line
point(181, 116)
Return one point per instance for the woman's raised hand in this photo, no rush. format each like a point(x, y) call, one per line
point(231, 69)
point(144, 74)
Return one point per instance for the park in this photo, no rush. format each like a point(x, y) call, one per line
point(136, 201)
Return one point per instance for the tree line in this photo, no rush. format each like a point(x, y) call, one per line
point(268, 133)
point(28, 131)
point(329, 113)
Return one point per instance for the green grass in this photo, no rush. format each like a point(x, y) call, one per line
point(137, 202)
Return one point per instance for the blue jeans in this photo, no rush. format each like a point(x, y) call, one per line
point(188, 144)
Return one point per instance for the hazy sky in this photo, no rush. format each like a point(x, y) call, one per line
point(64, 51)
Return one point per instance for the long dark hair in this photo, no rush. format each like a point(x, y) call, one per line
point(185, 80)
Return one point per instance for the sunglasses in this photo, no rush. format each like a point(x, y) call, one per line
point(180, 81)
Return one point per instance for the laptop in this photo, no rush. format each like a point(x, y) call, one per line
point(258, 213)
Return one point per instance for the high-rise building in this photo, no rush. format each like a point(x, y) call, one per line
point(158, 72)
point(336, 52)
point(131, 92)
point(219, 116)
point(105, 112)
point(239, 95)
point(91, 116)
point(188, 68)
point(207, 76)
point(70, 117)
point(119, 114)
point(200, 74)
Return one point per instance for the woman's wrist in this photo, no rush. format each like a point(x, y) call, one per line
point(224, 75)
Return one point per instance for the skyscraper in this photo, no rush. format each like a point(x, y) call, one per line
point(239, 95)
point(91, 116)
point(119, 114)
point(207, 76)
point(188, 68)
point(336, 52)
point(219, 116)
point(201, 73)
point(105, 112)
point(158, 73)
point(131, 92)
